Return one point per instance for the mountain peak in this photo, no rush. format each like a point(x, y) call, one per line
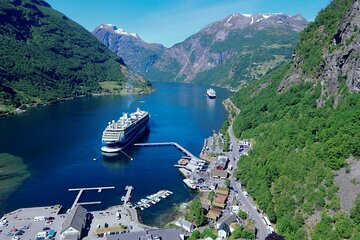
point(264, 15)
point(239, 21)
point(114, 29)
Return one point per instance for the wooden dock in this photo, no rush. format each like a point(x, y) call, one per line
point(81, 190)
point(159, 144)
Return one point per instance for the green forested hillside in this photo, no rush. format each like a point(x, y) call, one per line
point(46, 56)
point(257, 52)
point(299, 146)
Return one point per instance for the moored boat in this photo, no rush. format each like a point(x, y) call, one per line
point(120, 134)
point(211, 93)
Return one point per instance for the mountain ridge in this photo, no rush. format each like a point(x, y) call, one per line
point(302, 119)
point(46, 57)
point(201, 54)
point(138, 55)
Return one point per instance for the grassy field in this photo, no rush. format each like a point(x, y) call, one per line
point(13, 172)
point(111, 87)
point(110, 229)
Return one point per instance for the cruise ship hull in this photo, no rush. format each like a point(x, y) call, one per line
point(128, 139)
point(211, 96)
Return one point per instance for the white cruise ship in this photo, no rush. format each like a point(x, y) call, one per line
point(211, 93)
point(120, 134)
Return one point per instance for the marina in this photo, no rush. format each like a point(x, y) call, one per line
point(152, 199)
point(81, 190)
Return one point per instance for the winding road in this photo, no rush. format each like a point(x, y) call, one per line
point(246, 203)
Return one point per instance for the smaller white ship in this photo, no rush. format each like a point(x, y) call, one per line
point(211, 93)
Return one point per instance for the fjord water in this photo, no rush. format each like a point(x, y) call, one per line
point(59, 142)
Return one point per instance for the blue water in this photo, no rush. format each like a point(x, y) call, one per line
point(59, 142)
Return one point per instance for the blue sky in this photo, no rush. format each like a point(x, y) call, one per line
point(172, 21)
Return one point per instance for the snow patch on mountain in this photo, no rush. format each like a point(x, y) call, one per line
point(246, 15)
point(229, 19)
point(122, 32)
point(117, 30)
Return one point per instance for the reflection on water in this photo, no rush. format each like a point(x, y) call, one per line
point(122, 159)
point(115, 161)
point(210, 103)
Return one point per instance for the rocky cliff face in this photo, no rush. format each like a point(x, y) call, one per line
point(344, 62)
point(338, 61)
point(137, 54)
point(228, 52)
point(304, 121)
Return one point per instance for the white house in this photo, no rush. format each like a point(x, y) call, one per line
point(74, 224)
point(224, 231)
point(186, 225)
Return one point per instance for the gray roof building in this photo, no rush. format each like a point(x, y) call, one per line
point(222, 162)
point(230, 219)
point(156, 234)
point(224, 227)
point(218, 173)
point(75, 219)
point(196, 177)
point(188, 226)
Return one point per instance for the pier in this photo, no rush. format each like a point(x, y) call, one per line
point(128, 194)
point(152, 199)
point(81, 190)
point(159, 144)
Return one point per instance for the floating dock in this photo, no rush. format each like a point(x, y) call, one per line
point(159, 144)
point(80, 191)
point(152, 199)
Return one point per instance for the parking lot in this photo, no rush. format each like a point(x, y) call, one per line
point(27, 223)
point(114, 220)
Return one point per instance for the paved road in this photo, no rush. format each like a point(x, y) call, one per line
point(246, 203)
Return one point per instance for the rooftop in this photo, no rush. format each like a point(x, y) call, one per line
point(222, 191)
point(184, 223)
point(75, 219)
point(220, 198)
point(219, 173)
point(164, 234)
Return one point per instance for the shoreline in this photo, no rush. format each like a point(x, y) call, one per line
point(202, 195)
point(178, 209)
point(25, 107)
point(209, 85)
